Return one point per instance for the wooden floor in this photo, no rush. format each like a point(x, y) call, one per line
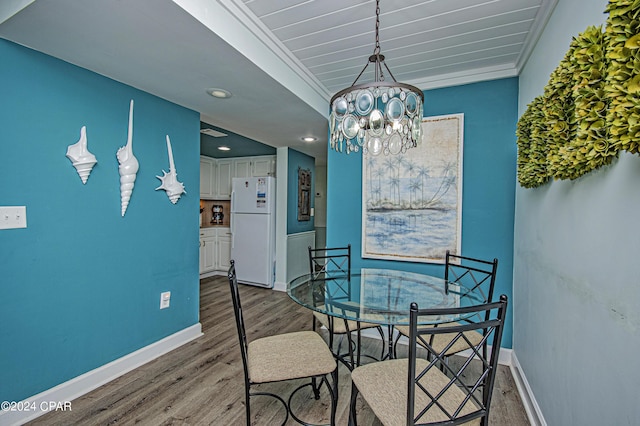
point(201, 382)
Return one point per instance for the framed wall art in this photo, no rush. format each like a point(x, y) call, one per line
point(412, 202)
point(304, 194)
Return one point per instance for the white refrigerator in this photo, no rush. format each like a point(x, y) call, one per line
point(253, 223)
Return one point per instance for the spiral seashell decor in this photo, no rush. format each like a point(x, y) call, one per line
point(170, 184)
point(128, 166)
point(80, 156)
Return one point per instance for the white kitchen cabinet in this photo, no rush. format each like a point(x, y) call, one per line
point(207, 177)
point(215, 250)
point(225, 173)
point(216, 174)
point(208, 255)
point(263, 166)
point(242, 167)
point(224, 249)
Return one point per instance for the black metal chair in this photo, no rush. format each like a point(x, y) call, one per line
point(334, 263)
point(477, 275)
point(414, 390)
point(283, 357)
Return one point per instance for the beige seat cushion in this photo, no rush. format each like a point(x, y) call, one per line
point(384, 386)
point(440, 341)
point(338, 323)
point(288, 356)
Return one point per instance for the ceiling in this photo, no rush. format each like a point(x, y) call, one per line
point(281, 59)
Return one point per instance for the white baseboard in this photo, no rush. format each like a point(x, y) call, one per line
point(78, 386)
point(278, 286)
point(526, 394)
point(212, 274)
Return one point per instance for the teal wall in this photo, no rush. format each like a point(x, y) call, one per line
point(298, 160)
point(489, 176)
point(80, 286)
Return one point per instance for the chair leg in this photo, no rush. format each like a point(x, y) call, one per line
point(315, 388)
point(358, 348)
point(352, 406)
point(247, 404)
point(379, 328)
point(395, 344)
point(334, 395)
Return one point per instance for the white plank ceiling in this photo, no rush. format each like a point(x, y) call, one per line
point(281, 59)
point(422, 40)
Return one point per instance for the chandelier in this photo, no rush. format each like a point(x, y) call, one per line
point(379, 116)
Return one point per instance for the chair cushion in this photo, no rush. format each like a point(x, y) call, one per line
point(288, 356)
point(338, 324)
point(440, 341)
point(384, 386)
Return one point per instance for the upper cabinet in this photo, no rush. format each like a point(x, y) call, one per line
point(208, 178)
point(263, 166)
point(216, 174)
point(225, 170)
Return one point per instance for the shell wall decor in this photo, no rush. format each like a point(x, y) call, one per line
point(128, 166)
point(80, 156)
point(170, 184)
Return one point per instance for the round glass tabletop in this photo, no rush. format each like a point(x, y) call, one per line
point(381, 296)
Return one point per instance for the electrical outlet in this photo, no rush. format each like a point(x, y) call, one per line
point(13, 217)
point(165, 299)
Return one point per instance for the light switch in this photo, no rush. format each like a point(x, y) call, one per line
point(165, 299)
point(13, 217)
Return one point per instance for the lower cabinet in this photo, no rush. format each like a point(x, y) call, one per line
point(215, 250)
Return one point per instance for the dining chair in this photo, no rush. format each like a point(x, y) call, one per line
point(475, 275)
point(282, 357)
point(334, 263)
point(414, 390)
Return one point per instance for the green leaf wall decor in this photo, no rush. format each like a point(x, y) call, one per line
point(590, 108)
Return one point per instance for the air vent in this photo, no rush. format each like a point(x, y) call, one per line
point(214, 133)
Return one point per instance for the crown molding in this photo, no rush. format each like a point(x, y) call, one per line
point(540, 22)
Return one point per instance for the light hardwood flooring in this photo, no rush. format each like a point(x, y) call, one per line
point(201, 383)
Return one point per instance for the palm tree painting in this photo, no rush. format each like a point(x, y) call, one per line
point(413, 201)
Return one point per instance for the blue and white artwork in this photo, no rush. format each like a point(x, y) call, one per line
point(412, 202)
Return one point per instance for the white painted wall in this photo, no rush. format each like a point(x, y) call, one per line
point(576, 285)
point(320, 220)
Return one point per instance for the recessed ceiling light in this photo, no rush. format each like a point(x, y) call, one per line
point(309, 139)
point(224, 148)
point(219, 93)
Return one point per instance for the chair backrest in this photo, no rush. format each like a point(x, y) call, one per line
point(475, 274)
point(237, 309)
point(330, 261)
point(463, 391)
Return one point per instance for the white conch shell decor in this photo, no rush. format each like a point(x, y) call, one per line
point(169, 180)
point(80, 157)
point(128, 166)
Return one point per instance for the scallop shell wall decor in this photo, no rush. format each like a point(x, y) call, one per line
point(170, 184)
point(80, 156)
point(128, 166)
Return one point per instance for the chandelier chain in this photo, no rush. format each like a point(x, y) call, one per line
point(378, 73)
point(378, 117)
point(376, 51)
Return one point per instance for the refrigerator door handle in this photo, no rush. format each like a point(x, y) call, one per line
point(233, 232)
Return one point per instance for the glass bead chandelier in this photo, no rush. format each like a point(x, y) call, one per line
point(379, 116)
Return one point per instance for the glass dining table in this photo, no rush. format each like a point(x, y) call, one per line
point(382, 296)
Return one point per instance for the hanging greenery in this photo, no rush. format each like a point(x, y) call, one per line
point(530, 130)
point(591, 148)
point(558, 111)
point(590, 109)
point(623, 74)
